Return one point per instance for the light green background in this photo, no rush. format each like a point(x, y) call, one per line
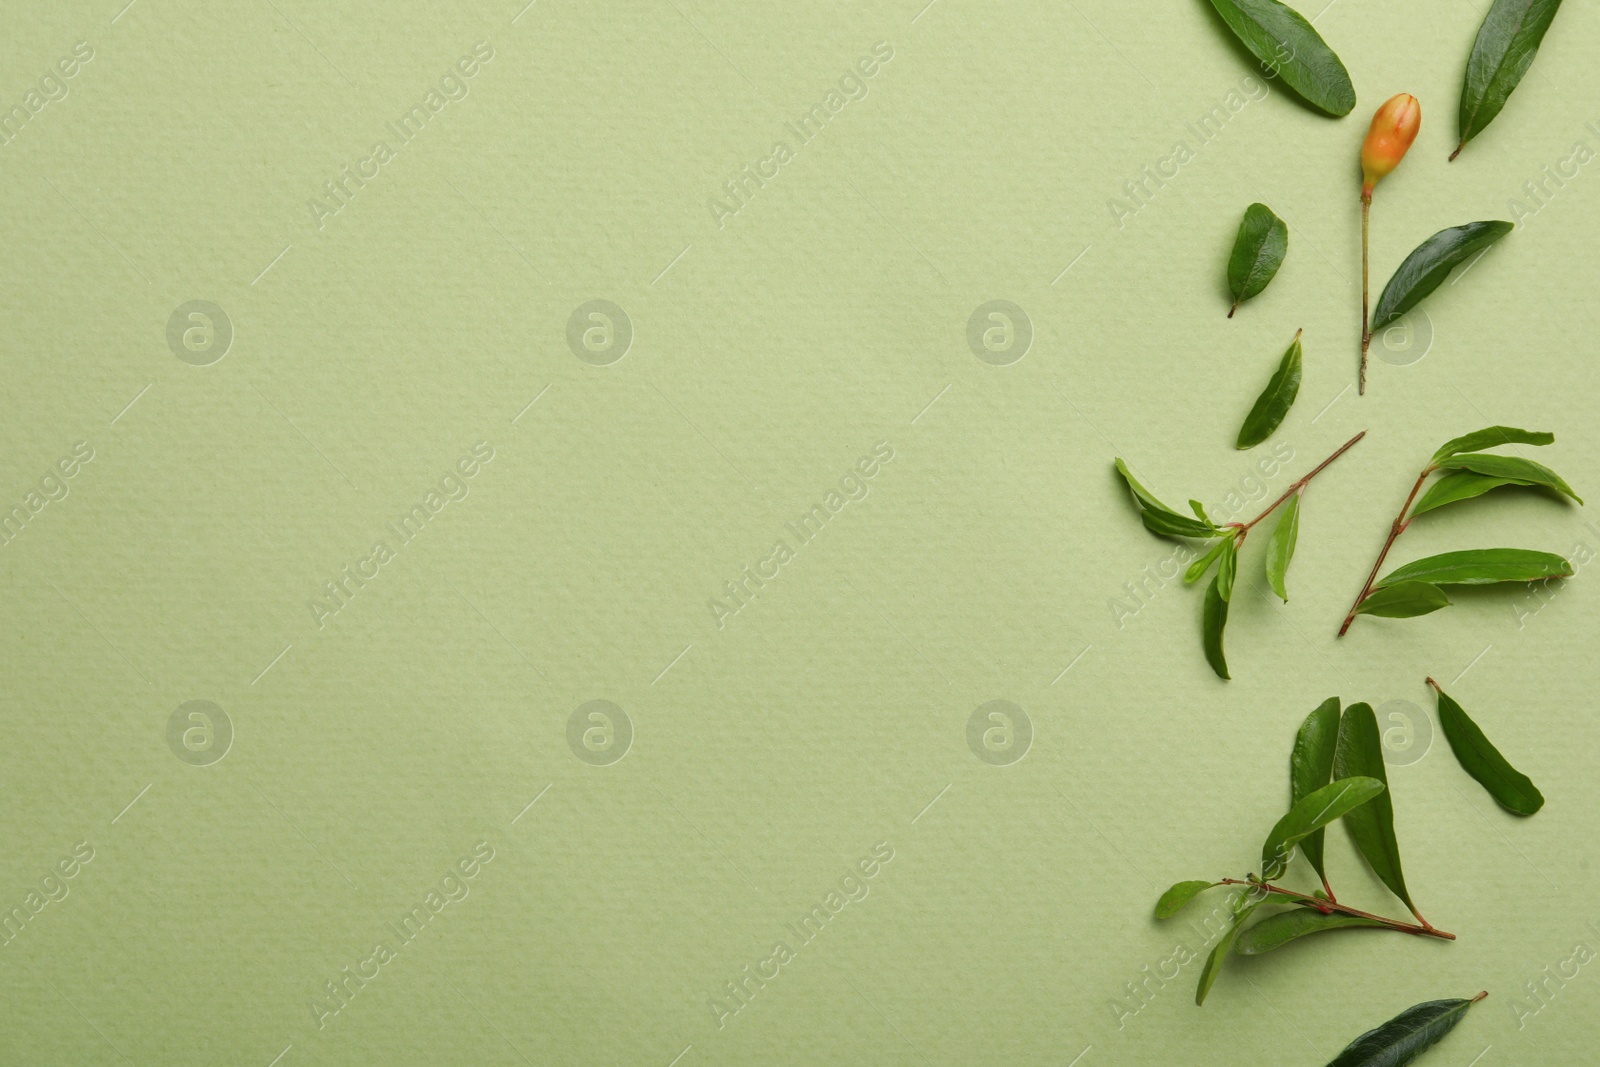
point(769, 354)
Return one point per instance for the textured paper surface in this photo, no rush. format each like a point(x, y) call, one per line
point(434, 316)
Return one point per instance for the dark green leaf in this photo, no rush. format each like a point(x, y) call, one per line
point(1359, 752)
point(1158, 517)
point(1311, 765)
point(1280, 546)
point(1403, 600)
point(1243, 904)
point(1492, 437)
point(1457, 486)
point(1258, 252)
point(1426, 268)
point(1516, 468)
point(1278, 930)
point(1275, 400)
point(1510, 788)
point(1311, 814)
point(1406, 1036)
point(1198, 568)
point(1481, 566)
point(1178, 897)
point(1507, 42)
point(1227, 569)
point(1283, 40)
point(1213, 620)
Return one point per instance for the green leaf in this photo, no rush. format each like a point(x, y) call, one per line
point(1492, 437)
point(1275, 400)
point(1178, 897)
point(1406, 1036)
point(1213, 620)
point(1515, 468)
point(1359, 753)
point(1243, 904)
point(1228, 569)
point(1280, 546)
point(1199, 510)
point(1481, 566)
point(1198, 568)
point(1314, 811)
point(1258, 252)
point(1311, 765)
point(1510, 788)
point(1457, 486)
point(1426, 268)
point(1403, 600)
point(1507, 42)
point(1283, 40)
point(1159, 518)
point(1278, 930)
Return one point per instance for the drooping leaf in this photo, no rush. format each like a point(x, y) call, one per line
point(1275, 400)
point(1403, 600)
point(1310, 814)
point(1278, 930)
point(1359, 752)
point(1406, 1036)
point(1510, 788)
point(1280, 546)
point(1159, 518)
point(1198, 568)
point(1492, 437)
point(1213, 620)
point(1227, 569)
point(1258, 252)
point(1481, 566)
point(1178, 897)
point(1517, 468)
point(1426, 268)
point(1506, 44)
point(1457, 486)
point(1243, 904)
point(1311, 765)
point(1282, 39)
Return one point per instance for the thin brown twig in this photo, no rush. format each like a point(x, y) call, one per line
point(1329, 906)
point(1396, 528)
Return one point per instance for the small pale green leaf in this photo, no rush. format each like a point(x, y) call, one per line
point(1311, 765)
point(1213, 620)
point(1275, 400)
point(1310, 814)
point(1403, 600)
point(1516, 468)
point(1406, 1036)
point(1258, 252)
point(1426, 268)
point(1198, 568)
point(1359, 753)
point(1243, 904)
point(1457, 486)
point(1278, 930)
point(1510, 788)
point(1227, 569)
point(1492, 437)
point(1506, 44)
point(1481, 566)
point(1280, 546)
point(1178, 897)
point(1284, 41)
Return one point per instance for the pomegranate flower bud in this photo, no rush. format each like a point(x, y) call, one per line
point(1393, 129)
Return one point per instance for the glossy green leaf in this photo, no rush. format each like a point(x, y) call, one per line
point(1213, 620)
point(1517, 468)
point(1159, 518)
point(1275, 400)
point(1258, 252)
point(1510, 788)
point(1359, 753)
point(1481, 566)
point(1227, 569)
point(1284, 41)
point(1311, 765)
point(1198, 568)
point(1243, 904)
point(1314, 811)
point(1406, 1036)
point(1278, 930)
point(1426, 268)
point(1506, 44)
point(1178, 897)
point(1492, 437)
point(1457, 486)
point(1403, 600)
point(1280, 546)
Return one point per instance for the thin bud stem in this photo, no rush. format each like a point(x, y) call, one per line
point(1366, 334)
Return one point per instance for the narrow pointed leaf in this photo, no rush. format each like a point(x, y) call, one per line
point(1278, 930)
point(1245, 903)
point(1311, 765)
point(1146, 499)
point(1403, 600)
point(1178, 897)
point(1405, 1037)
point(1199, 510)
point(1170, 524)
point(1198, 568)
point(1275, 400)
point(1227, 569)
point(1510, 788)
point(1506, 44)
point(1359, 752)
point(1481, 566)
point(1280, 546)
point(1457, 486)
point(1283, 40)
point(1492, 437)
point(1426, 268)
point(1314, 811)
point(1523, 470)
point(1213, 620)
point(1258, 252)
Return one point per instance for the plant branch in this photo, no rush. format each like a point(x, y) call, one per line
point(1397, 528)
point(1244, 527)
point(1366, 334)
point(1329, 906)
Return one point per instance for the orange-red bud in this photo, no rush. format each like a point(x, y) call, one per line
point(1393, 129)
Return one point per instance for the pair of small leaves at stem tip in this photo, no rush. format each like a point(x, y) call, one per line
point(1258, 251)
point(1504, 49)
